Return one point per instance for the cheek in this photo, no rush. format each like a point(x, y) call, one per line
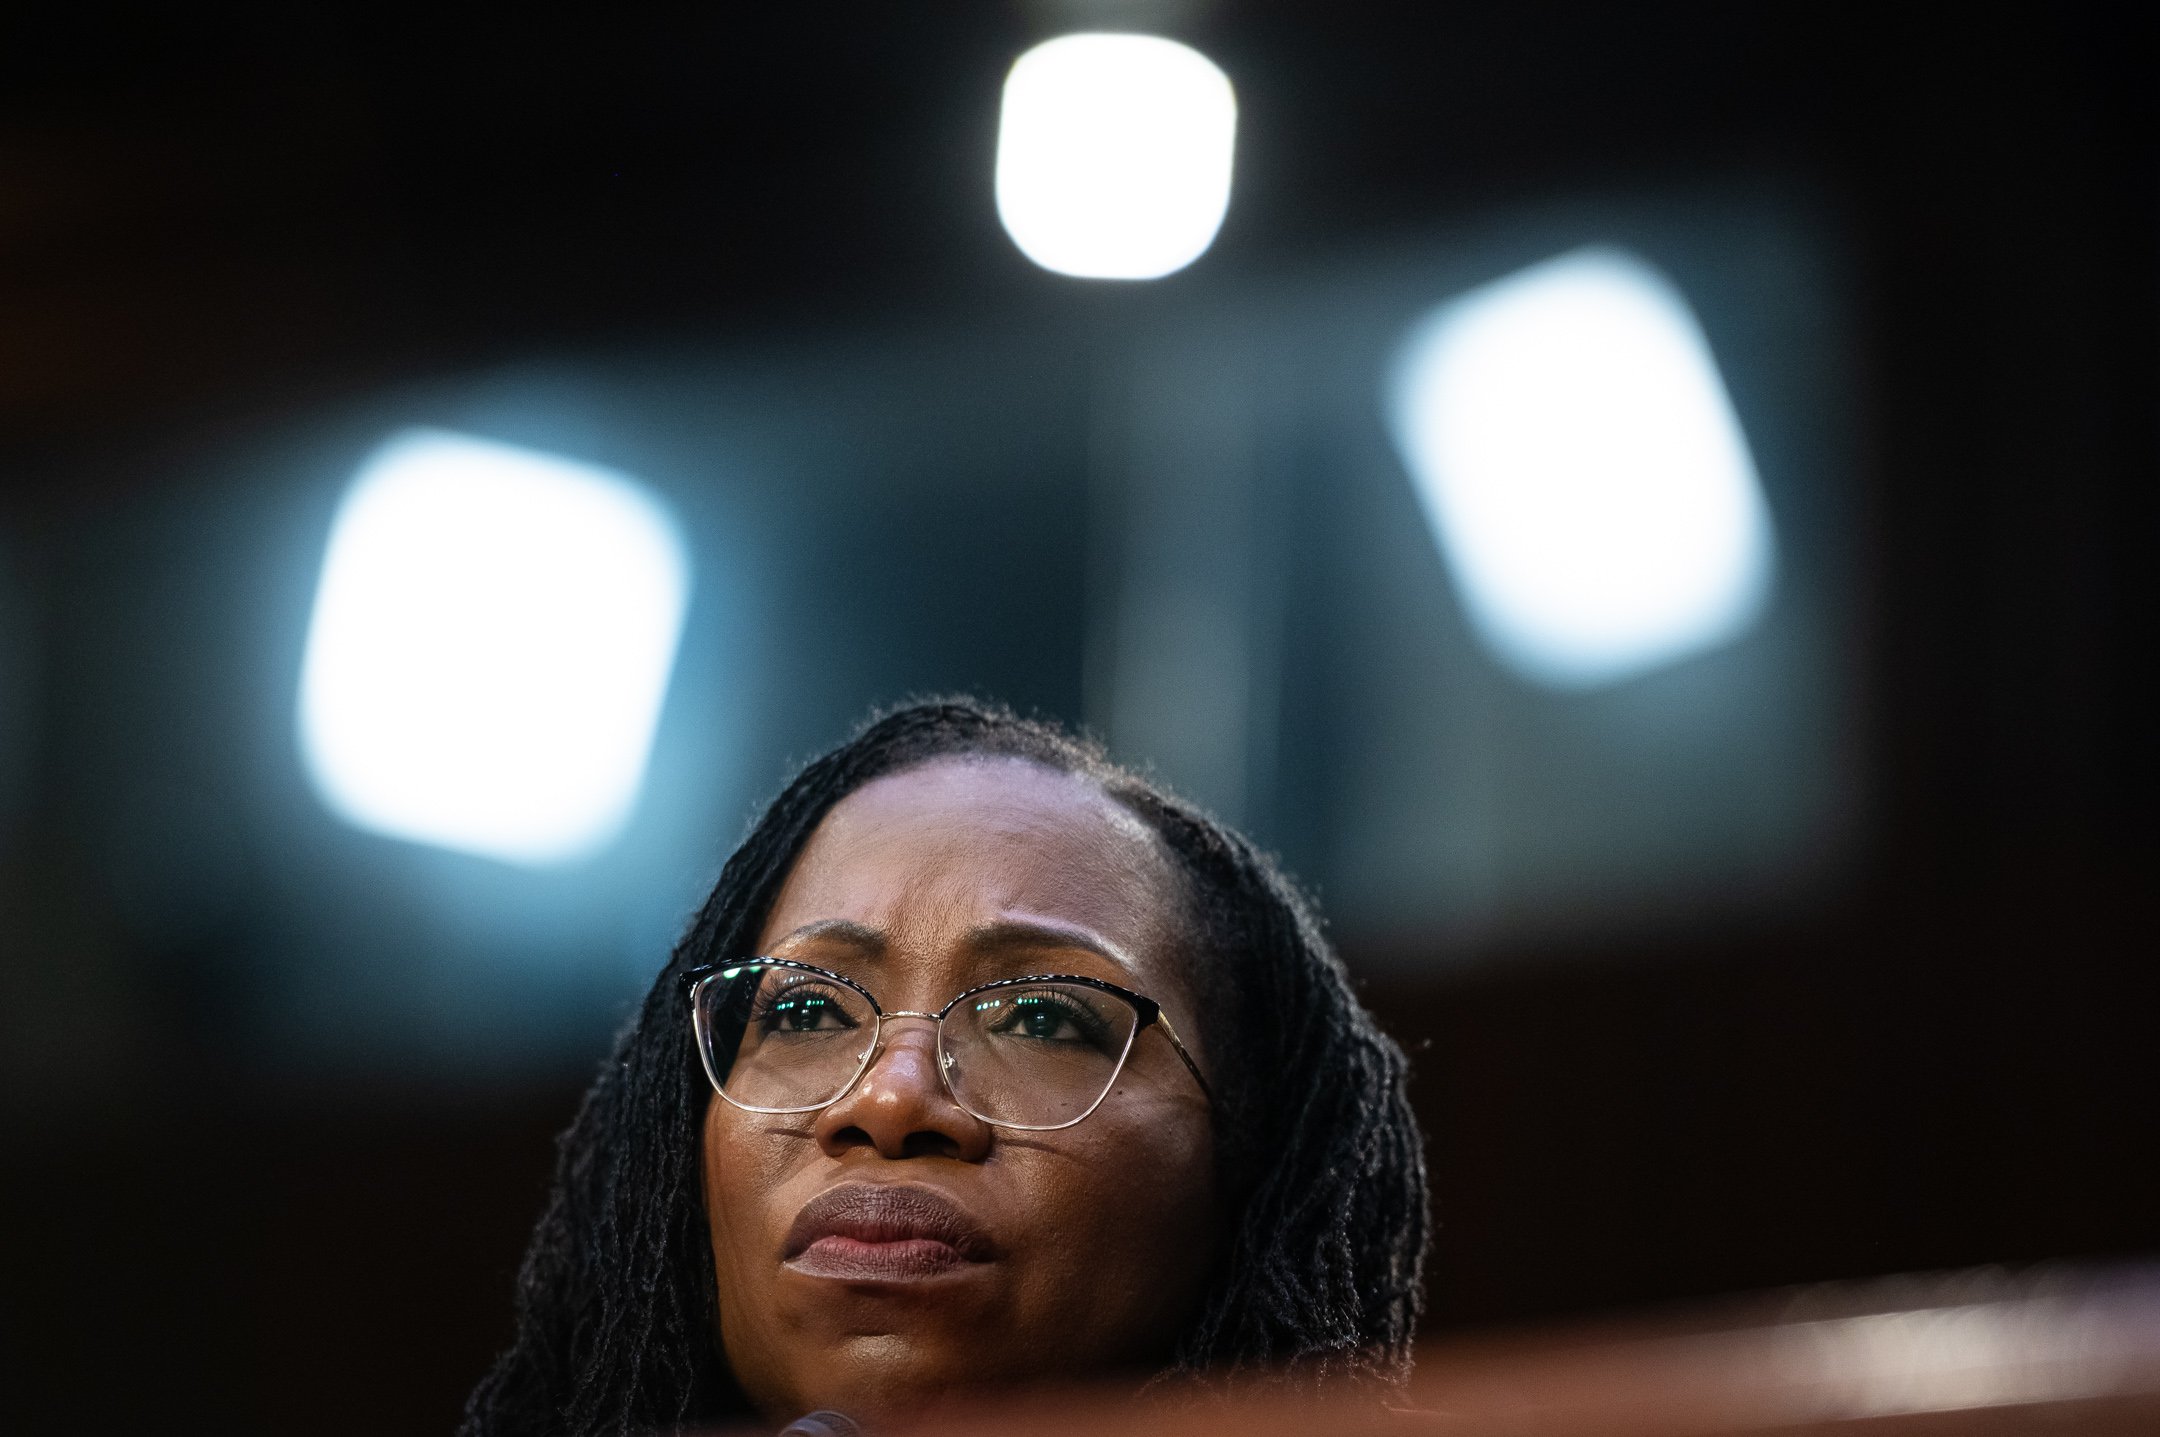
point(1125, 1232)
point(743, 1172)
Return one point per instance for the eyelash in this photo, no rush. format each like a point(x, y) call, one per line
point(1090, 1024)
point(762, 1010)
point(767, 1004)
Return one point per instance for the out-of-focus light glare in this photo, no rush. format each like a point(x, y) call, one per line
point(1583, 470)
point(1113, 156)
point(491, 641)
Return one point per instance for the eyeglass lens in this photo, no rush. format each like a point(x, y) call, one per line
point(1037, 1054)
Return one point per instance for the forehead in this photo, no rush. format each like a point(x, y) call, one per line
point(931, 853)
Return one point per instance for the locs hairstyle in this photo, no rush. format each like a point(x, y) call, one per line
point(1322, 1170)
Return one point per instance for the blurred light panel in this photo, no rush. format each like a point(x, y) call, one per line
point(1113, 156)
point(1583, 470)
point(490, 645)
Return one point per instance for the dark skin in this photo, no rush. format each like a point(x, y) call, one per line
point(1100, 1236)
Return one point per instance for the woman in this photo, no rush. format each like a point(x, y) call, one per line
point(985, 1064)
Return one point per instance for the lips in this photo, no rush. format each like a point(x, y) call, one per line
point(882, 1232)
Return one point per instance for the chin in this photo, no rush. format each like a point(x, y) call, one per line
point(887, 1376)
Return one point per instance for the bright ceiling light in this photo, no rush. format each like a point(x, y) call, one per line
point(491, 641)
point(1583, 470)
point(1113, 155)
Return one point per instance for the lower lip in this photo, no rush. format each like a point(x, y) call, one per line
point(852, 1260)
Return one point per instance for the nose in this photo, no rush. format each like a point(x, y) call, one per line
point(900, 1107)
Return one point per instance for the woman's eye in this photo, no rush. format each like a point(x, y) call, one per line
point(1048, 1019)
point(1042, 1022)
point(803, 1012)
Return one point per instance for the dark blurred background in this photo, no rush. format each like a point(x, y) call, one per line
point(1822, 952)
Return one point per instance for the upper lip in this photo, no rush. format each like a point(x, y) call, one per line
point(886, 1212)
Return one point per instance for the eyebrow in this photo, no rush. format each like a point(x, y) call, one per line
point(1004, 933)
point(1040, 933)
point(838, 930)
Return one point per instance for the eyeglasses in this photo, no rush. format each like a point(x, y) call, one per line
point(1038, 1053)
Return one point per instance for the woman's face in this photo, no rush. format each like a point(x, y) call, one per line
point(1086, 1248)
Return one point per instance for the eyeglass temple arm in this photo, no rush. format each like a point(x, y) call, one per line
point(1162, 1020)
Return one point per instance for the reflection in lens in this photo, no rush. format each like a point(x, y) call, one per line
point(783, 1038)
point(1036, 1054)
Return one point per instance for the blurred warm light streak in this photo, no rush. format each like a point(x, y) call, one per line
point(2066, 1353)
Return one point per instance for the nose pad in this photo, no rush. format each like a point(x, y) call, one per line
point(902, 1103)
point(884, 1049)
